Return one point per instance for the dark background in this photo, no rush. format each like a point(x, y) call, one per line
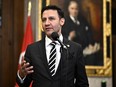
point(114, 40)
point(0, 12)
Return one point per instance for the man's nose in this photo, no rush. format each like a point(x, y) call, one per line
point(47, 22)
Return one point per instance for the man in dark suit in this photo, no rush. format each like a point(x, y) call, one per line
point(46, 63)
point(77, 29)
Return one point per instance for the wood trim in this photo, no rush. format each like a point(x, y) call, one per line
point(18, 27)
point(7, 51)
point(18, 32)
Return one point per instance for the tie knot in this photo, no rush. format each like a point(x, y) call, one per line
point(53, 43)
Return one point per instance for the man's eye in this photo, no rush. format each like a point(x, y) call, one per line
point(43, 20)
point(51, 18)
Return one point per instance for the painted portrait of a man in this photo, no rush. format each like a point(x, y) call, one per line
point(83, 25)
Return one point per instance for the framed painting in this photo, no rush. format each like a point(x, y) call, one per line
point(87, 22)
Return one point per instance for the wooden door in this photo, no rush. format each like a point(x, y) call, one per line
point(11, 34)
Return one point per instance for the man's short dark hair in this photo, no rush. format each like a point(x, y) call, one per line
point(75, 1)
point(53, 7)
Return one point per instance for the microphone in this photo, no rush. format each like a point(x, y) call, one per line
point(55, 36)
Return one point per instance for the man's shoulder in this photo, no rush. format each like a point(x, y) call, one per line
point(35, 44)
point(74, 47)
point(73, 44)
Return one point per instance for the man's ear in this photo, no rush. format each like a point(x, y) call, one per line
point(62, 21)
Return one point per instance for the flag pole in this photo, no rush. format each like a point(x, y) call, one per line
point(29, 8)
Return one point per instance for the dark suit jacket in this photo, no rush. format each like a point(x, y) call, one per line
point(71, 67)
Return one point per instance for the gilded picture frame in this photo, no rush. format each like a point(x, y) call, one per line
point(104, 12)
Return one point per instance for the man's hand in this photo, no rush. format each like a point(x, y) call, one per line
point(91, 49)
point(25, 69)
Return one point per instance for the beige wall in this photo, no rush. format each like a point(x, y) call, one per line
point(96, 81)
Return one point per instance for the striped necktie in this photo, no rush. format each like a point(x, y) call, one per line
point(52, 59)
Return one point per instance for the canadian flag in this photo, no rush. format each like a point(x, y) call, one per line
point(28, 39)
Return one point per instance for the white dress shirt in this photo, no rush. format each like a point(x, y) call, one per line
point(75, 21)
point(48, 47)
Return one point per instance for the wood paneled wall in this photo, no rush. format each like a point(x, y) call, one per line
point(11, 34)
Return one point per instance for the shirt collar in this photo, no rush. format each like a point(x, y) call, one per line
point(75, 21)
point(48, 40)
point(72, 18)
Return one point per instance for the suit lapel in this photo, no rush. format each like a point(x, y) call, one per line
point(43, 56)
point(63, 58)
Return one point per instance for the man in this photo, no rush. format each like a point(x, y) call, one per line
point(46, 64)
point(77, 29)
